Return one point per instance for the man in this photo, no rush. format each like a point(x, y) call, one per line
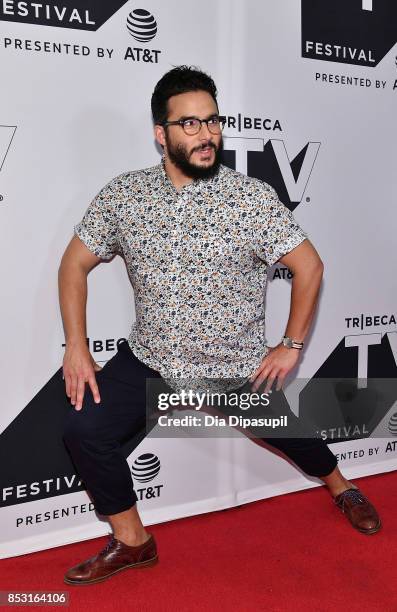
point(197, 239)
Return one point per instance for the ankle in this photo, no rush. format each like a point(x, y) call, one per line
point(342, 487)
point(132, 538)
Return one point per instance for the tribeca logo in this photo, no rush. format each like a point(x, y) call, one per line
point(98, 346)
point(270, 163)
point(7, 133)
point(359, 33)
point(239, 122)
point(89, 16)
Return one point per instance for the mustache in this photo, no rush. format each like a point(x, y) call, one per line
point(205, 145)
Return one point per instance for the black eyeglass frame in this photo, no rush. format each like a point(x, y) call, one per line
point(222, 122)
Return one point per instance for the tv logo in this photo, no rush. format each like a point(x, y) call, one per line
point(270, 163)
point(7, 133)
point(354, 390)
point(356, 32)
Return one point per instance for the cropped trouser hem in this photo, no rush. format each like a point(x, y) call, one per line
point(116, 509)
point(311, 455)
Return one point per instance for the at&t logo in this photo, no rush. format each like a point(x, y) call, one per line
point(392, 426)
point(145, 469)
point(143, 27)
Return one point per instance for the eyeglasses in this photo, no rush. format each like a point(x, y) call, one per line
point(192, 125)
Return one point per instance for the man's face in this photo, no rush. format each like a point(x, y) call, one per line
point(197, 156)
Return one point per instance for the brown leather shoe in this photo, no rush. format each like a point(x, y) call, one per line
point(359, 511)
point(116, 556)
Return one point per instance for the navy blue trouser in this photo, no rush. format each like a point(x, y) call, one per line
point(94, 435)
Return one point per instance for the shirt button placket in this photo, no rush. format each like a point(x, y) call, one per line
point(178, 233)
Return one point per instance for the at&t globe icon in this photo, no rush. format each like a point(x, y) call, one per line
point(392, 426)
point(141, 25)
point(146, 467)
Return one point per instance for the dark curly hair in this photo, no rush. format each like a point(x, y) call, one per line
point(180, 79)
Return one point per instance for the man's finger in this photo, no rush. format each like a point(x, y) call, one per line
point(94, 388)
point(73, 389)
point(263, 364)
point(80, 393)
point(281, 378)
point(260, 379)
point(67, 385)
point(257, 372)
point(280, 383)
point(269, 384)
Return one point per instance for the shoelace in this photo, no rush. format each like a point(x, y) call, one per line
point(354, 495)
point(108, 545)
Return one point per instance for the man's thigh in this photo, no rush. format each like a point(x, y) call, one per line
point(122, 409)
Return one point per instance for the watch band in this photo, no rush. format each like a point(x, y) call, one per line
point(290, 343)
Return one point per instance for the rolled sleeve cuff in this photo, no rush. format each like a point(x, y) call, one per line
point(92, 243)
point(285, 246)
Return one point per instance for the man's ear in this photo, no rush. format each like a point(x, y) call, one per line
point(159, 134)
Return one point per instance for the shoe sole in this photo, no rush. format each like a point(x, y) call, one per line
point(141, 565)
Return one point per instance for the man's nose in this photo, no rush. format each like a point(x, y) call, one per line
point(204, 132)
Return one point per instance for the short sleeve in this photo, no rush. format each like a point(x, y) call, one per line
point(98, 229)
point(276, 231)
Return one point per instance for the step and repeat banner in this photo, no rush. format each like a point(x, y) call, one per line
point(309, 90)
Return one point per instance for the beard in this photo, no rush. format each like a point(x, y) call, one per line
point(180, 157)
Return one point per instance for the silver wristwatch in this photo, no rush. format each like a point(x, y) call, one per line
point(289, 343)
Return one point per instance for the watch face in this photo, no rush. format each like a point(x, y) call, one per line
point(287, 342)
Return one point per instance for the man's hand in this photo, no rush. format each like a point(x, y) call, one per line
point(79, 368)
point(277, 363)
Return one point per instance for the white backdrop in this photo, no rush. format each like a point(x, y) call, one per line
point(70, 122)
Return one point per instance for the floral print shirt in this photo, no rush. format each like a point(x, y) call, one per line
point(198, 261)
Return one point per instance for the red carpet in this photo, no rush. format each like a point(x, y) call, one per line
point(289, 553)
